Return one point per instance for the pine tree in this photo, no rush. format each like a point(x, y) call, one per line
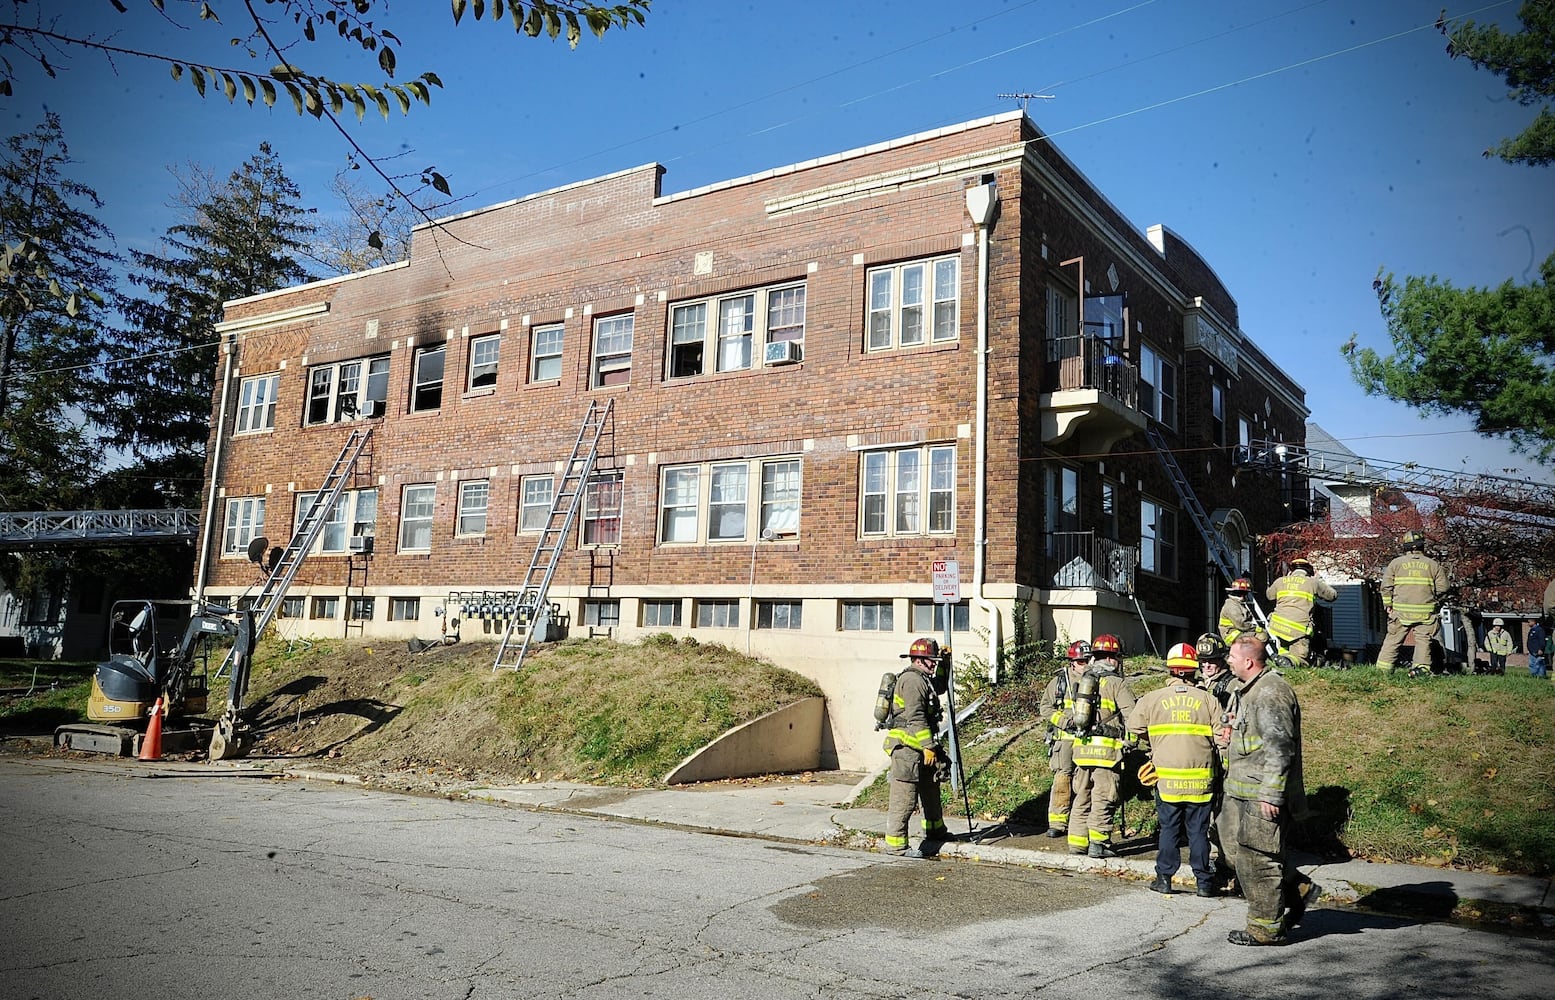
point(239, 237)
point(57, 261)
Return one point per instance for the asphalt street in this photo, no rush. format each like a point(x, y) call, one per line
point(148, 883)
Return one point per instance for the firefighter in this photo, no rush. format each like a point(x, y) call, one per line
point(1102, 702)
point(1265, 793)
point(914, 751)
point(1291, 620)
point(1177, 722)
point(1499, 644)
point(1413, 586)
point(1236, 615)
point(1219, 682)
point(1058, 698)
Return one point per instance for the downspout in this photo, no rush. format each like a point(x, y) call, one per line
point(208, 524)
point(982, 204)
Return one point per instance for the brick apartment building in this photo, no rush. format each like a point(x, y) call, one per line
point(824, 377)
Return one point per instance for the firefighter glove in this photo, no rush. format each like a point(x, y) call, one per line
point(929, 757)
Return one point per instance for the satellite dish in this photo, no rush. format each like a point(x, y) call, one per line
point(256, 548)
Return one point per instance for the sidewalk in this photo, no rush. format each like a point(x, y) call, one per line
point(815, 811)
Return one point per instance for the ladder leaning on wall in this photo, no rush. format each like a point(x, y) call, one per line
point(566, 500)
point(1219, 551)
point(284, 570)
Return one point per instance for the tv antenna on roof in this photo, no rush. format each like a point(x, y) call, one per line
point(1026, 99)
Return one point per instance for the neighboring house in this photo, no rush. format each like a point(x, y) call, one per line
point(61, 623)
point(825, 377)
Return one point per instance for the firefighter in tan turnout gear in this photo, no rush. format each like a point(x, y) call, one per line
point(1178, 723)
point(1236, 615)
point(1413, 586)
point(1058, 698)
point(914, 751)
point(1102, 702)
point(1294, 595)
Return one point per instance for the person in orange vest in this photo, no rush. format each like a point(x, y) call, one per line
point(1177, 722)
point(1413, 586)
point(1294, 595)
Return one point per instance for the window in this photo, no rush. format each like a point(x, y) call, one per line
point(256, 403)
point(534, 501)
point(898, 487)
point(602, 614)
point(347, 390)
point(361, 609)
point(404, 609)
point(867, 616)
point(910, 304)
point(780, 614)
point(291, 607)
point(1157, 539)
point(483, 361)
point(1063, 498)
point(1244, 431)
point(1109, 510)
point(1157, 386)
point(602, 510)
point(545, 353)
point(718, 614)
point(1217, 414)
point(426, 378)
point(730, 328)
point(245, 522)
point(612, 350)
point(930, 617)
point(416, 508)
point(473, 498)
point(713, 501)
point(355, 516)
point(1062, 324)
point(660, 613)
point(326, 607)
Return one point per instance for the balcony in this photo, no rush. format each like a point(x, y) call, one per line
point(1090, 394)
point(1080, 560)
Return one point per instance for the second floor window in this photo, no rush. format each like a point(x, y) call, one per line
point(1217, 414)
point(908, 491)
point(347, 390)
point(355, 515)
point(913, 304)
point(426, 379)
point(535, 502)
point(545, 353)
point(612, 350)
point(473, 499)
point(256, 403)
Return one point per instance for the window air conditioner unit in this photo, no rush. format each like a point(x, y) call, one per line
point(783, 352)
point(361, 544)
point(374, 408)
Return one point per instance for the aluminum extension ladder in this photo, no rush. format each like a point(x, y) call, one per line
point(533, 611)
point(268, 601)
point(1219, 552)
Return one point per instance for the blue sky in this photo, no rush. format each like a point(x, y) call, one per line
point(1299, 145)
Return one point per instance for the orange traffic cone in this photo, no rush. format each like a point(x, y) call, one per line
point(151, 743)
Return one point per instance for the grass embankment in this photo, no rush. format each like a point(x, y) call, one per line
point(1447, 771)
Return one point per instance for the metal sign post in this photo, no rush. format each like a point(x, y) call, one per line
point(947, 594)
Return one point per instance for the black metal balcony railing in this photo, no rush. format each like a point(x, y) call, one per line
point(1088, 362)
point(1081, 559)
